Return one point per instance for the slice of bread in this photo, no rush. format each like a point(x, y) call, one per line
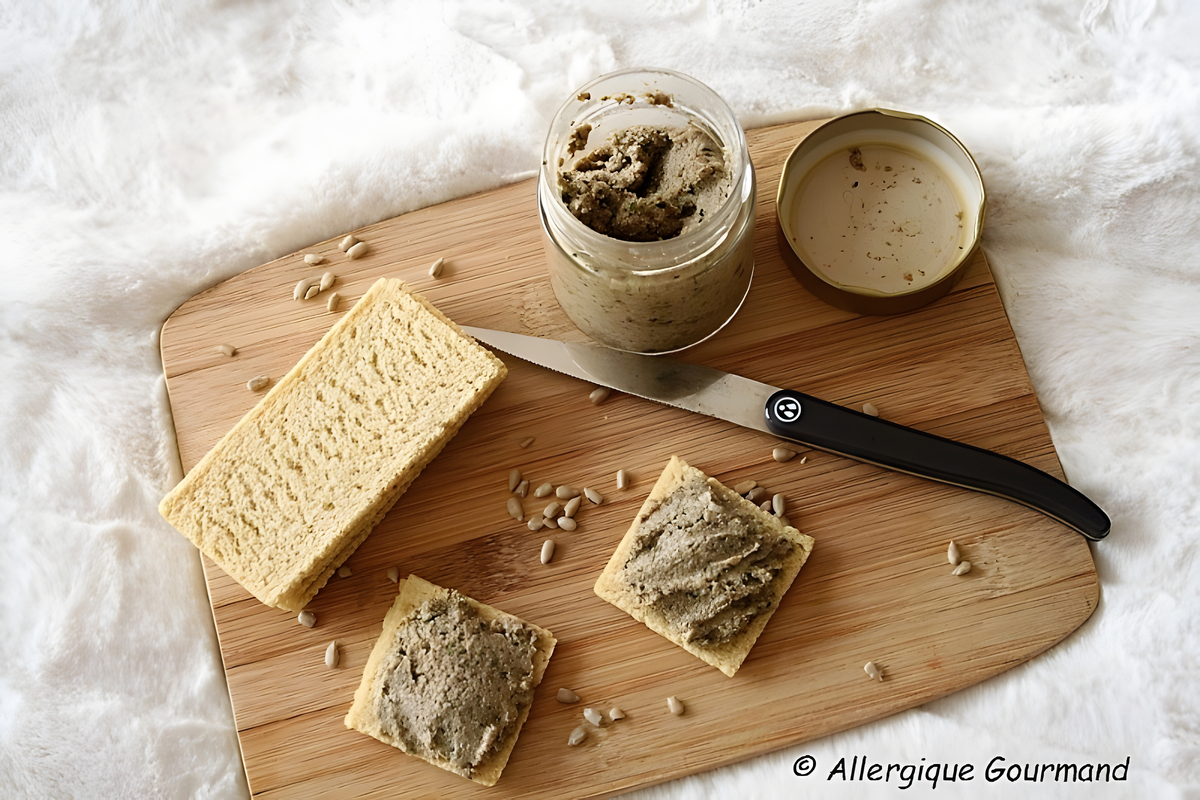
point(295, 487)
point(695, 501)
point(364, 713)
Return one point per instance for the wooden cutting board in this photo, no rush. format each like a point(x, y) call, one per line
point(877, 587)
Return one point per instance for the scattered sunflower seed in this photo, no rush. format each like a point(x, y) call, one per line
point(593, 496)
point(514, 479)
point(547, 550)
point(622, 479)
point(394, 574)
point(615, 713)
point(522, 489)
point(778, 504)
point(536, 523)
point(357, 251)
point(593, 716)
point(301, 288)
point(577, 736)
point(348, 242)
point(675, 705)
point(344, 572)
point(313, 258)
point(543, 490)
point(766, 506)
point(870, 410)
point(435, 270)
point(567, 696)
point(744, 487)
point(332, 305)
point(782, 454)
point(962, 569)
point(599, 395)
point(526, 442)
point(327, 280)
point(567, 524)
point(552, 509)
point(550, 522)
point(572, 506)
point(227, 350)
point(515, 510)
point(953, 554)
point(307, 619)
point(803, 459)
point(258, 383)
point(312, 291)
point(757, 494)
point(332, 654)
point(873, 672)
point(565, 492)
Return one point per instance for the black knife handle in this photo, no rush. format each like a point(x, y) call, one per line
point(826, 426)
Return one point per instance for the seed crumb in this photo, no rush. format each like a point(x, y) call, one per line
point(435, 270)
point(599, 395)
point(962, 569)
point(675, 705)
point(332, 305)
point(803, 459)
point(313, 258)
point(622, 479)
point(393, 574)
point(870, 410)
point(301, 288)
point(577, 736)
point(524, 444)
point(873, 671)
point(567, 696)
point(344, 572)
point(593, 716)
point(952, 554)
point(227, 350)
point(307, 619)
point(522, 488)
point(348, 242)
point(615, 713)
point(782, 454)
point(332, 655)
point(258, 383)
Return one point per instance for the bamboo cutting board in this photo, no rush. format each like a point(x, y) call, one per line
point(877, 587)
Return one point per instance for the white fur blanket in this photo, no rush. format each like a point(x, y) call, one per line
point(149, 149)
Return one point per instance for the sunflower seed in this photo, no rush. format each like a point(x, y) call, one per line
point(622, 479)
point(577, 736)
point(313, 258)
point(757, 494)
point(803, 459)
point(675, 705)
point(344, 572)
point(522, 489)
point(744, 487)
point(615, 713)
point(394, 574)
point(515, 510)
point(258, 383)
point(327, 280)
point(567, 696)
point(227, 350)
point(547, 550)
point(543, 490)
point(765, 505)
point(782, 454)
point(593, 716)
point(870, 410)
point(312, 292)
point(778, 504)
point(552, 509)
point(873, 672)
point(593, 496)
point(301, 288)
point(536, 523)
point(953, 555)
point(357, 251)
point(567, 524)
point(526, 442)
point(514, 479)
point(348, 242)
point(599, 395)
point(435, 270)
point(565, 492)
point(550, 522)
point(332, 654)
point(962, 569)
point(572, 506)
point(307, 619)
point(332, 305)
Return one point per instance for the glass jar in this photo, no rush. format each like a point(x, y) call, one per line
point(657, 296)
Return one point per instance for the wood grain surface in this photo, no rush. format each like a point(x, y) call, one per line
point(877, 587)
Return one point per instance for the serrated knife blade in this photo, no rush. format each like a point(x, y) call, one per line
point(809, 421)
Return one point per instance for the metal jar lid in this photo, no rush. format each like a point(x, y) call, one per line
point(879, 211)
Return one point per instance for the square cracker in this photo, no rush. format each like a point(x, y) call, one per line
point(726, 656)
point(413, 592)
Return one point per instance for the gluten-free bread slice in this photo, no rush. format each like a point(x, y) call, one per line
point(289, 493)
point(450, 680)
point(703, 566)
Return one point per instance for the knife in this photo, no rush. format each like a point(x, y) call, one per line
point(809, 421)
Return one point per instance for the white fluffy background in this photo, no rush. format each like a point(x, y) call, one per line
point(150, 149)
